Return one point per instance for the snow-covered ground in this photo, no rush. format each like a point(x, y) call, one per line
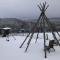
point(11, 51)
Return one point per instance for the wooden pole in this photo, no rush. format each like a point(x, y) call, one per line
point(44, 44)
point(44, 34)
point(24, 40)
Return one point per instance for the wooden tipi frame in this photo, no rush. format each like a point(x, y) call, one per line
point(42, 21)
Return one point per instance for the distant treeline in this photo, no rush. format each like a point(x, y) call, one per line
point(26, 25)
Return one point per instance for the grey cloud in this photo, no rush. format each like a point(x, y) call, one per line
point(27, 8)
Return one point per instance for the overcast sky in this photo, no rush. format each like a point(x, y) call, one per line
point(27, 9)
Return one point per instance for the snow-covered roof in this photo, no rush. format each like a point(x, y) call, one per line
point(6, 28)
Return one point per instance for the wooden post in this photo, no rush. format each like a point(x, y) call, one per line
point(44, 34)
point(44, 44)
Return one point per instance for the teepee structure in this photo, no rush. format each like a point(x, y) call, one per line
point(42, 24)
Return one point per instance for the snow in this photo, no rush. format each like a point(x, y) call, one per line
point(11, 51)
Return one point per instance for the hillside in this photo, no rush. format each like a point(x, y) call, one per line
point(17, 24)
point(14, 23)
